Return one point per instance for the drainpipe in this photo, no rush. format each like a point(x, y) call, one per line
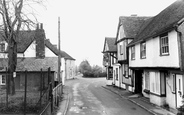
point(179, 35)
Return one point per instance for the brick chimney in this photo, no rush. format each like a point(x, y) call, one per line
point(40, 41)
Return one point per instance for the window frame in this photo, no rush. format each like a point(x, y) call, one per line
point(174, 83)
point(3, 83)
point(2, 47)
point(164, 45)
point(116, 74)
point(143, 50)
point(147, 80)
point(158, 85)
point(121, 49)
point(133, 53)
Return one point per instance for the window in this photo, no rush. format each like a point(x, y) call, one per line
point(2, 47)
point(147, 80)
point(133, 52)
point(121, 49)
point(116, 73)
point(164, 45)
point(126, 70)
point(174, 83)
point(2, 79)
point(143, 50)
point(155, 82)
point(158, 83)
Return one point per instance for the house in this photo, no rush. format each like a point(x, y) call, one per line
point(67, 62)
point(128, 27)
point(156, 57)
point(109, 58)
point(33, 48)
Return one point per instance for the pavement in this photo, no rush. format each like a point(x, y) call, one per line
point(141, 101)
point(134, 98)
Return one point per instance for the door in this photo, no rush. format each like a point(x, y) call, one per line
point(138, 81)
point(179, 90)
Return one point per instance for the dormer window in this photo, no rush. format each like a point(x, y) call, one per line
point(164, 44)
point(2, 47)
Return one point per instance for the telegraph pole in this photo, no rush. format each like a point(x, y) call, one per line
point(59, 56)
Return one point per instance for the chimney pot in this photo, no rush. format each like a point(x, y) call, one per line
point(134, 15)
point(41, 26)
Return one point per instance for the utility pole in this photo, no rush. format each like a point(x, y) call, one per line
point(59, 56)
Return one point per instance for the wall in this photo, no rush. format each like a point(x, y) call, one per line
point(153, 58)
point(33, 79)
point(31, 50)
point(70, 69)
point(170, 97)
point(116, 82)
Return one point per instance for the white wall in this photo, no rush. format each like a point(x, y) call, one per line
point(170, 97)
point(49, 53)
point(153, 58)
point(31, 50)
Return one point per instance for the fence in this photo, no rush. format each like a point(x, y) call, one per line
point(32, 92)
point(57, 93)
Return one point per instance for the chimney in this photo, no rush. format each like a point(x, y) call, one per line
point(55, 45)
point(40, 41)
point(134, 15)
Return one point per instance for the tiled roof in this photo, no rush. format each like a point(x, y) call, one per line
point(165, 21)
point(34, 64)
point(25, 38)
point(131, 25)
point(56, 51)
point(111, 44)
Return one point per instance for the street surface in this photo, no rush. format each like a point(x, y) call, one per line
point(88, 97)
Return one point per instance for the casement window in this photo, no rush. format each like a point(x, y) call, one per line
point(2, 47)
point(116, 73)
point(2, 80)
point(143, 50)
point(174, 83)
point(164, 44)
point(133, 52)
point(158, 83)
point(126, 70)
point(147, 80)
point(121, 49)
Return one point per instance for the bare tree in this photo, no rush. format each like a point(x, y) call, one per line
point(16, 15)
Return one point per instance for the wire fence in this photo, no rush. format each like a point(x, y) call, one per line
point(33, 91)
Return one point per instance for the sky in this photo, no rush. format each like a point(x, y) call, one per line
point(84, 24)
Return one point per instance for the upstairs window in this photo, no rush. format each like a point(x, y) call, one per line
point(2, 47)
point(121, 50)
point(164, 44)
point(143, 50)
point(133, 52)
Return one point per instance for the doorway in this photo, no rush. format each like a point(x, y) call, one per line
point(138, 81)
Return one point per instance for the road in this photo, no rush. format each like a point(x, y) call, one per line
point(88, 97)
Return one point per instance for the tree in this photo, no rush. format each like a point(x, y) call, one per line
point(84, 67)
point(97, 70)
point(15, 17)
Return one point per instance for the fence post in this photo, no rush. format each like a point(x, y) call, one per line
point(25, 92)
point(51, 96)
point(6, 87)
point(41, 88)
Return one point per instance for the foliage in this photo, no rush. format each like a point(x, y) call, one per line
point(88, 71)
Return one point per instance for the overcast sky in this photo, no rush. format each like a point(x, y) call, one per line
point(86, 23)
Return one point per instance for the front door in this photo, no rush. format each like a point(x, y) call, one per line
point(179, 90)
point(138, 81)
